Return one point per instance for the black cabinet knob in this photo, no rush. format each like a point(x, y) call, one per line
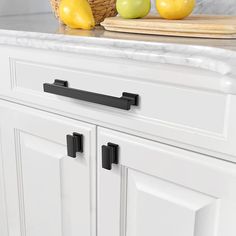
point(109, 155)
point(74, 144)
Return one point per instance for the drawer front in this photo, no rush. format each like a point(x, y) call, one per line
point(191, 116)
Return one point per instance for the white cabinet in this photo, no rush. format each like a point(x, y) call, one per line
point(151, 189)
point(156, 189)
point(178, 105)
point(47, 192)
point(3, 219)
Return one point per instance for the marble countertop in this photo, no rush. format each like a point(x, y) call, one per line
point(44, 32)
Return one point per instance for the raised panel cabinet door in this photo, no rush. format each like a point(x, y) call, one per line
point(47, 193)
point(148, 188)
point(3, 218)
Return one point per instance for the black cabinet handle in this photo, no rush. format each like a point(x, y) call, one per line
point(60, 87)
point(109, 155)
point(74, 144)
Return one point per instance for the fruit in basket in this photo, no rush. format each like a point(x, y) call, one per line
point(76, 14)
point(175, 9)
point(131, 9)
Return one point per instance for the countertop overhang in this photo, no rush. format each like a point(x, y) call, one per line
point(42, 31)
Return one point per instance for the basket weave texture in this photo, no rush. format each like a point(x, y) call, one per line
point(101, 9)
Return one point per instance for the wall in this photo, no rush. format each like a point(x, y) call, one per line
point(34, 6)
point(225, 7)
point(11, 7)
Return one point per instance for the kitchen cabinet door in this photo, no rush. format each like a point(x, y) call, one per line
point(47, 192)
point(3, 218)
point(155, 189)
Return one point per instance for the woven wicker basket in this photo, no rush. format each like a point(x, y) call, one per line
point(101, 9)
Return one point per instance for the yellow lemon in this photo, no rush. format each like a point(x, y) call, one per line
point(76, 14)
point(175, 9)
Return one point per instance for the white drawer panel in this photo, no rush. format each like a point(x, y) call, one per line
point(181, 114)
point(158, 103)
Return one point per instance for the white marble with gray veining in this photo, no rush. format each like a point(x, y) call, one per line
point(223, 7)
point(43, 32)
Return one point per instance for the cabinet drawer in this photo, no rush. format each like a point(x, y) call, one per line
point(174, 113)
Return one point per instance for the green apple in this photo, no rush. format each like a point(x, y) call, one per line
point(131, 9)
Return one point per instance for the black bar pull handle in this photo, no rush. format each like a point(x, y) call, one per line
point(109, 155)
point(60, 87)
point(74, 144)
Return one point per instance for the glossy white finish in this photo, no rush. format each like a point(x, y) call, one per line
point(160, 190)
point(47, 192)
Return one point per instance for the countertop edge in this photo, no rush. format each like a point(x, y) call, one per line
point(219, 60)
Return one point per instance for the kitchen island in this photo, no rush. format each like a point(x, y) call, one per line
point(106, 133)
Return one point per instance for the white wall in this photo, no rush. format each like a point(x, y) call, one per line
point(34, 6)
point(224, 7)
point(11, 7)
